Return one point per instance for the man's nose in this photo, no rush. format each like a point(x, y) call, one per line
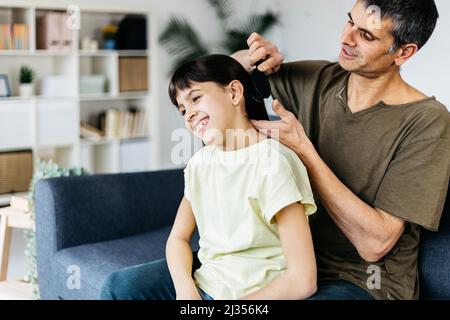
point(348, 36)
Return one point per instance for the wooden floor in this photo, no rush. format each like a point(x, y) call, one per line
point(15, 290)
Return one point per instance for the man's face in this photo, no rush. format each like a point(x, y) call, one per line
point(366, 41)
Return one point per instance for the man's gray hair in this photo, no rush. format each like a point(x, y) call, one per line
point(413, 20)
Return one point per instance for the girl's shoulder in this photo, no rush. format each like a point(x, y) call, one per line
point(284, 153)
point(202, 156)
point(275, 158)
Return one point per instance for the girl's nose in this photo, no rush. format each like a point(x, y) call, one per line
point(190, 115)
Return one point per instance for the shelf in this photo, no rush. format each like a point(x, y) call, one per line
point(37, 98)
point(97, 53)
point(12, 52)
point(108, 53)
point(49, 125)
point(53, 53)
point(16, 290)
point(5, 198)
point(83, 98)
point(81, 53)
point(85, 142)
point(121, 96)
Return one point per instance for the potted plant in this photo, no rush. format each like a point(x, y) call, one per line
point(109, 36)
point(184, 43)
point(26, 78)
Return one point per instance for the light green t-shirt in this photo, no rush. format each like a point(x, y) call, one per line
point(235, 196)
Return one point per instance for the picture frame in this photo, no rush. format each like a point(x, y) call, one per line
point(5, 89)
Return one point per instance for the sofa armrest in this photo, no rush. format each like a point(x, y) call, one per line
point(79, 210)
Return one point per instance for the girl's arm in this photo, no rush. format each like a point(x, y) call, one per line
point(299, 281)
point(179, 253)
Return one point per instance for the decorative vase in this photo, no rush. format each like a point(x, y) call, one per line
point(109, 44)
point(26, 89)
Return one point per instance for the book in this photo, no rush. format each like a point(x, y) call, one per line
point(6, 40)
point(20, 203)
point(66, 33)
point(20, 36)
point(49, 31)
point(123, 124)
point(89, 132)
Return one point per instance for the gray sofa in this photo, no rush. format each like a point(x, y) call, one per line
point(99, 224)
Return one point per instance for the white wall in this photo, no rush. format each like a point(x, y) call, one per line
point(309, 30)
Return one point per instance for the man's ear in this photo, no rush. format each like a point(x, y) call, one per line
point(405, 53)
point(236, 90)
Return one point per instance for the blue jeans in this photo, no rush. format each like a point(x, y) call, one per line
point(152, 281)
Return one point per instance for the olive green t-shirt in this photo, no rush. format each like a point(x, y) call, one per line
point(393, 157)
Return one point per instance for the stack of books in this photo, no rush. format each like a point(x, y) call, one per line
point(14, 37)
point(124, 124)
point(90, 132)
point(52, 32)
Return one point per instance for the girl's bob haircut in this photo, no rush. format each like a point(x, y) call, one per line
point(222, 70)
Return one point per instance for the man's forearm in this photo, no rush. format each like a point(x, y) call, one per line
point(362, 224)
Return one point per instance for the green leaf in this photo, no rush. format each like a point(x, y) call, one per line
point(236, 38)
point(26, 75)
point(222, 7)
point(181, 41)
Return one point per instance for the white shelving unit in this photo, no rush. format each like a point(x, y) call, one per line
point(49, 126)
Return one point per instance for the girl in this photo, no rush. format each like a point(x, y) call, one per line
point(248, 196)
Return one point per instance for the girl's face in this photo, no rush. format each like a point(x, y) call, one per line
point(209, 110)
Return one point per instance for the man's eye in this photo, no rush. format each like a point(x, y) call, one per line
point(367, 36)
point(351, 22)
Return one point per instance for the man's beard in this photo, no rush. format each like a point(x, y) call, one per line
point(369, 74)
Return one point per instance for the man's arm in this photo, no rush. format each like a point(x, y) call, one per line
point(372, 231)
point(179, 253)
point(299, 281)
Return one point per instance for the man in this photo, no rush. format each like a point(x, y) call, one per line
point(376, 149)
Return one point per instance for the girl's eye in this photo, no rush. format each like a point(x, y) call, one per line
point(195, 99)
point(350, 22)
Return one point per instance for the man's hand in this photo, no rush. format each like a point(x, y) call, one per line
point(288, 130)
point(260, 49)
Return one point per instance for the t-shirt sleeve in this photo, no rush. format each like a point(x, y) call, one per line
point(416, 182)
point(187, 181)
point(281, 187)
point(294, 85)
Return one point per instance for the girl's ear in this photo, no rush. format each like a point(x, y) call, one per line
point(236, 90)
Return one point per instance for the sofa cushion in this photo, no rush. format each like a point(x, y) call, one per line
point(96, 261)
point(434, 259)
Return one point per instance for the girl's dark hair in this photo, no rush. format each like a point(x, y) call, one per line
point(222, 70)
